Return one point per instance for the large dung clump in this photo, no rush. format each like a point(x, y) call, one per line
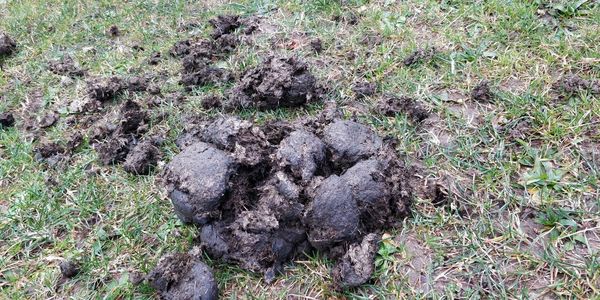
point(263, 201)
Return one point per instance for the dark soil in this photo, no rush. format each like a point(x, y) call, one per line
point(264, 195)
point(391, 105)
point(212, 101)
point(66, 67)
point(277, 82)
point(364, 89)
point(482, 92)
point(7, 45)
point(7, 119)
point(183, 276)
point(420, 55)
point(68, 269)
point(113, 31)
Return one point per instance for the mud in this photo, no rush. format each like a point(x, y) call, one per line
point(391, 105)
point(66, 67)
point(7, 120)
point(482, 92)
point(420, 55)
point(183, 276)
point(266, 194)
point(7, 45)
point(277, 82)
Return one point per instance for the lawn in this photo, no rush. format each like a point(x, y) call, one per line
point(507, 191)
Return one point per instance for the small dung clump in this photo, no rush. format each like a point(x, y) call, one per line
point(391, 105)
point(277, 82)
point(68, 269)
point(7, 45)
point(420, 55)
point(482, 92)
point(7, 120)
point(183, 276)
point(65, 67)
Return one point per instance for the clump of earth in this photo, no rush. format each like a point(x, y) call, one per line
point(263, 195)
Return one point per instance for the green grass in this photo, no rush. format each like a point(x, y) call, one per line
point(522, 216)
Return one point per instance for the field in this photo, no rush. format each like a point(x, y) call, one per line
point(504, 148)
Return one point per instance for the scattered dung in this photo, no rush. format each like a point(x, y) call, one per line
point(105, 89)
point(364, 89)
point(65, 67)
point(224, 24)
point(142, 158)
point(277, 82)
point(390, 106)
point(7, 45)
point(482, 92)
point(183, 276)
point(7, 120)
point(212, 101)
point(68, 269)
point(48, 120)
point(420, 55)
point(262, 200)
point(113, 31)
point(570, 85)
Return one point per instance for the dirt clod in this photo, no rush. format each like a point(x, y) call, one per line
point(68, 268)
point(183, 276)
point(316, 45)
point(105, 89)
point(49, 119)
point(482, 92)
point(113, 31)
point(7, 45)
point(572, 84)
point(391, 105)
point(212, 101)
point(277, 82)
point(350, 142)
point(7, 119)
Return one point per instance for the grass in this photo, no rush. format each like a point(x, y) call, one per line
point(521, 219)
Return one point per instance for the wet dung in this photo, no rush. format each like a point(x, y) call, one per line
point(277, 82)
point(105, 89)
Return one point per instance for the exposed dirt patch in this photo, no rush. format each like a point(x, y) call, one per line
point(261, 201)
point(482, 92)
point(420, 55)
point(391, 105)
point(183, 276)
point(416, 263)
point(212, 101)
point(7, 45)
point(7, 119)
point(65, 67)
point(277, 82)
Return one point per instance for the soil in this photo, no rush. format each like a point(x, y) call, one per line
point(105, 89)
point(68, 269)
point(316, 45)
point(7, 45)
point(7, 119)
point(482, 92)
point(277, 82)
point(364, 89)
point(183, 276)
point(66, 67)
point(391, 105)
point(155, 58)
point(264, 195)
point(420, 55)
point(113, 31)
point(212, 101)
point(225, 24)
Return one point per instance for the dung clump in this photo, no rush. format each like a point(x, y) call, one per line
point(65, 67)
point(571, 84)
point(142, 158)
point(183, 276)
point(264, 195)
point(7, 120)
point(390, 106)
point(7, 45)
point(224, 24)
point(482, 92)
point(105, 89)
point(420, 55)
point(277, 82)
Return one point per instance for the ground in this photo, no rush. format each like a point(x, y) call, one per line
point(506, 184)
